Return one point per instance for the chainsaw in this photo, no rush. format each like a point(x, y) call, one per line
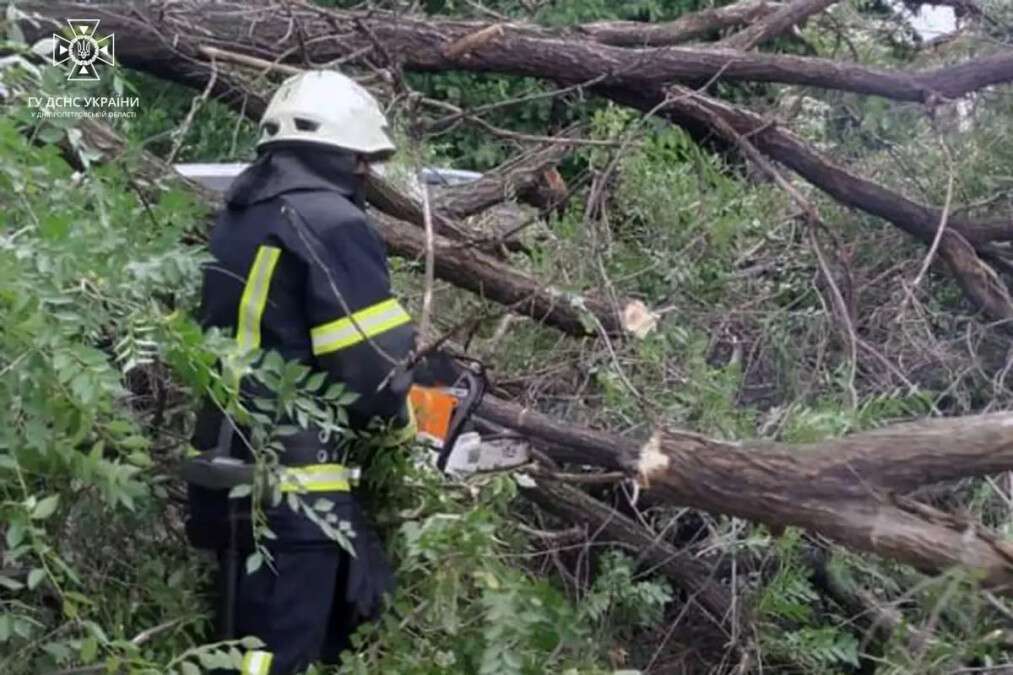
point(445, 398)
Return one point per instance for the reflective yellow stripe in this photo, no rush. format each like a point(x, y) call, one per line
point(318, 478)
point(257, 663)
point(251, 306)
point(351, 330)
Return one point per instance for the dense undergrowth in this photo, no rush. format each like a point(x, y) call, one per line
point(101, 366)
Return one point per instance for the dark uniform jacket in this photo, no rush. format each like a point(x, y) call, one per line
point(311, 283)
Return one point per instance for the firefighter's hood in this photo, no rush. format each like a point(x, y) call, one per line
point(288, 168)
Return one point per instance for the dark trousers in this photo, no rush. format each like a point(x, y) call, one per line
point(298, 609)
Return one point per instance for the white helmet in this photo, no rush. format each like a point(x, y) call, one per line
point(324, 106)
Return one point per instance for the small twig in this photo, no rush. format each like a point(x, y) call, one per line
point(462, 113)
point(184, 129)
point(575, 532)
point(605, 478)
point(427, 295)
point(513, 135)
point(251, 61)
point(146, 635)
point(942, 220)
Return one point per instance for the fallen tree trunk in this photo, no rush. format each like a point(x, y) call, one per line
point(161, 37)
point(957, 248)
point(849, 490)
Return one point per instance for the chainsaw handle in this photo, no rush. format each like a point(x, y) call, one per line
point(476, 386)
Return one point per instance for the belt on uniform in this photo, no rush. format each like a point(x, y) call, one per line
point(217, 469)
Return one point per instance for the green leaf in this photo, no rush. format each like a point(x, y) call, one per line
point(316, 381)
point(46, 507)
point(253, 562)
point(240, 491)
point(89, 650)
point(250, 642)
point(188, 668)
point(35, 577)
point(15, 533)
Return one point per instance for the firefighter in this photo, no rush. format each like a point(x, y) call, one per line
point(299, 270)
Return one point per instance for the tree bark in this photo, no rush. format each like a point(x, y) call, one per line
point(512, 179)
point(849, 490)
point(164, 37)
point(977, 280)
point(684, 29)
point(490, 278)
point(775, 24)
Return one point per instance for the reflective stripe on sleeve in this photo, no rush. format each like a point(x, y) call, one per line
point(257, 663)
point(318, 478)
point(351, 330)
point(254, 299)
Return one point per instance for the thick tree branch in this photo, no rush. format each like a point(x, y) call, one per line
point(976, 278)
point(775, 24)
point(164, 37)
point(847, 489)
point(684, 29)
point(512, 179)
point(574, 506)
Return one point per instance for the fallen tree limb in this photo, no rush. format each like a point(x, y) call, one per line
point(514, 178)
point(847, 489)
point(696, 577)
point(490, 278)
point(978, 281)
point(164, 37)
point(684, 29)
point(775, 24)
point(844, 186)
